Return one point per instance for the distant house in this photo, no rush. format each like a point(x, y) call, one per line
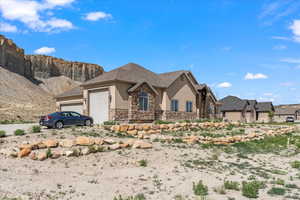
point(132, 93)
point(235, 109)
point(284, 111)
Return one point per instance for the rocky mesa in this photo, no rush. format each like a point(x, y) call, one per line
point(28, 83)
point(46, 67)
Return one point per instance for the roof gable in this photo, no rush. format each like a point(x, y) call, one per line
point(232, 103)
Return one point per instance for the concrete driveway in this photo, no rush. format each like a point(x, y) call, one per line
point(10, 128)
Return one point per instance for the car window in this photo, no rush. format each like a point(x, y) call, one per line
point(65, 114)
point(74, 114)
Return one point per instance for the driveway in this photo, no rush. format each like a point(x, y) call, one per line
point(10, 128)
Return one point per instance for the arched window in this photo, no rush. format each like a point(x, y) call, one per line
point(143, 101)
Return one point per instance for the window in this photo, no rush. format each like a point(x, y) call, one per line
point(189, 106)
point(74, 114)
point(143, 101)
point(174, 105)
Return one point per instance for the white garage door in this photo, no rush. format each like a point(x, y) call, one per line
point(72, 107)
point(98, 106)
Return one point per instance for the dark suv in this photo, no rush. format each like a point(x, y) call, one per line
point(290, 119)
point(67, 118)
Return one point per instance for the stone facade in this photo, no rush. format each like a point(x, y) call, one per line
point(135, 114)
point(119, 115)
point(169, 115)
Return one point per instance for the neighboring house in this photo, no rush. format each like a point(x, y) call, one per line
point(132, 93)
point(235, 109)
point(284, 111)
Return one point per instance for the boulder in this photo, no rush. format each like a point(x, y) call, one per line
point(55, 154)
point(84, 141)
point(42, 156)
point(69, 153)
point(114, 146)
point(146, 127)
point(67, 143)
point(50, 143)
point(33, 156)
point(99, 141)
point(124, 128)
point(141, 145)
point(132, 132)
point(24, 152)
point(109, 141)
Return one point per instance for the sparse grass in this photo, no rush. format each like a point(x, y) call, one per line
point(276, 191)
point(163, 122)
point(107, 123)
point(220, 190)
point(2, 134)
point(251, 189)
point(19, 132)
point(295, 164)
point(48, 153)
point(143, 163)
point(292, 186)
point(15, 122)
point(232, 185)
point(200, 189)
point(35, 129)
point(136, 197)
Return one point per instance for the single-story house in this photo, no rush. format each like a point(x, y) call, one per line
point(132, 93)
point(284, 111)
point(235, 109)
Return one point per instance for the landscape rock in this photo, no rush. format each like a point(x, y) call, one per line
point(67, 143)
point(41, 156)
point(24, 152)
point(84, 141)
point(141, 145)
point(50, 143)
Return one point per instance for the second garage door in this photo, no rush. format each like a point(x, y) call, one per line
point(98, 105)
point(72, 107)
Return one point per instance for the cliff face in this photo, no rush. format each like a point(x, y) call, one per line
point(12, 58)
point(46, 67)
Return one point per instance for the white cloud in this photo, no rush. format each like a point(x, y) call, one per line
point(264, 99)
point(224, 85)
point(45, 50)
point(295, 27)
point(280, 38)
point(287, 84)
point(95, 16)
point(5, 27)
point(250, 76)
point(30, 12)
point(60, 2)
point(290, 60)
point(280, 47)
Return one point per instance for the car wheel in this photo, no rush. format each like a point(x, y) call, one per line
point(49, 127)
point(59, 125)
point(88, 122)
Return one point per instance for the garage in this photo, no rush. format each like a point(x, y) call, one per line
point(98, 105)
point(72, 107)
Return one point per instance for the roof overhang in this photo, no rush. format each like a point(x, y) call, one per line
point(137, 85)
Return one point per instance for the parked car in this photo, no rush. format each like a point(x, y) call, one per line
point(290, 119)
point(67, 118)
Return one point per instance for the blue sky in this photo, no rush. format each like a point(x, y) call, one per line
point(246, 48)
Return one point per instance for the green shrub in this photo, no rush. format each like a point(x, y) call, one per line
point(290, 185)
point(49, 153)
point(163, 122)
point(19, 132)
point(295, 164)
point(2, 134)
point(251, 189)
point(143, 163)
point(110, 123)
point(279, 181)
point(231, 185)
point(36, 129)
point(200, 189)
point(276, 191)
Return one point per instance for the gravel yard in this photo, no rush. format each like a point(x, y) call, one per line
point(164, 172)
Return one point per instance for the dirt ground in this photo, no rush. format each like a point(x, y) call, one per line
point(168, 171)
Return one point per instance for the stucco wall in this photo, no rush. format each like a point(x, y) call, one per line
point(263, 117)
point(182, 91)
point(121, 95)
point(250, 117)
point(234, 117)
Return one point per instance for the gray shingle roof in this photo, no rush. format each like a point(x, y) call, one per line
point(264, 107)
point(77, 91)
point(252, 105)
point(232, 103)
point(131, 73)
